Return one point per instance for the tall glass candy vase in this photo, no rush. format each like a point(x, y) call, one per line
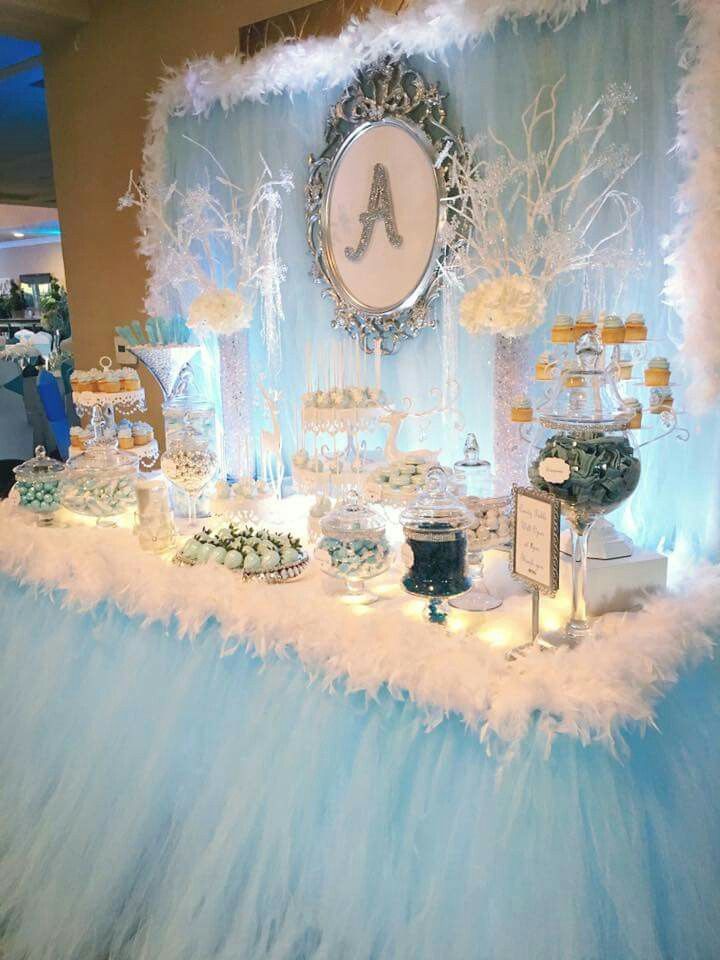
point(511, 373)
point(236, 400)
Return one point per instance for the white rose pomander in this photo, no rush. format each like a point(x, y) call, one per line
point(222, 311)
point(511, 305)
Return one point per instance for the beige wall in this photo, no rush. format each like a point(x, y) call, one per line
point(98, 80)
point(38, 258)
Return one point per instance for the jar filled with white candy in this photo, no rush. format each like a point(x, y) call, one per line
point(190, 461)
point(489, 529)
point(100, 483)
point(353, 547)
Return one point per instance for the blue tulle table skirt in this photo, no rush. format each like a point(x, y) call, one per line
point(159, 802)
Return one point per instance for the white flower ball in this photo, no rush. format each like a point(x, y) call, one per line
point(510, 305)
point(222, 311)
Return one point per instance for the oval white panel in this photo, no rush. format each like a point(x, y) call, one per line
point(385, 276)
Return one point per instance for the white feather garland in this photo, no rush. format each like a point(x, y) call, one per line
point(694, 285)
point(590, 693)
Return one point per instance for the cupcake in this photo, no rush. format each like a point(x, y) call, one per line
point(129, 379)
point(78, 438)
point(584, 323)
point(661, 400)
point(635, 406)
point(635, 328)
point(93, 380)
point(545, 367)
point(613, 329)
point(521, 410)
point(84, 380)
point(624, 369)
point(76, 381)
point(109, 381)
point(562, 330)
point(142, 433)
point(657, 372)
point(125, 438)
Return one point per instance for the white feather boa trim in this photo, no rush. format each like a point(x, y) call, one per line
point(590, 693)
point(694, 286)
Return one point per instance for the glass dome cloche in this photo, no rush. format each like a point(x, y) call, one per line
point(584, 453)
point(100, 483)
point(353, 546)
point(38, 485)
point(435, 527)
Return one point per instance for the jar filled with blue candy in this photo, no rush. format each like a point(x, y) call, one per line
point(435, 526)
point(38, 485)
point(353, 547)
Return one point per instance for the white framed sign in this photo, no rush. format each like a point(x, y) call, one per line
point(535, 555)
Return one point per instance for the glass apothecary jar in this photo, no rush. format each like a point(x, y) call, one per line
point(38, 485)
point(490, 527)
point(100, 483)
point(353, 546)
point(584, 453)
point(190, 461)
point(435, 527)
point(154, 524)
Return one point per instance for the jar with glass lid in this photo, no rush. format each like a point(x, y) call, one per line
point(190, 461)
point(100, 482)
point(37, 482)
point(584, 453)
point(353, 546)
point(435, 527)
point(490, 527)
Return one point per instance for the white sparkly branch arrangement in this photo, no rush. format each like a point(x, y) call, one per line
point(218, 245)
point(552, 209)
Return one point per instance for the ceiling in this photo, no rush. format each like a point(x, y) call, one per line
point(25, 160)
point(42, 20)
point(27, 226)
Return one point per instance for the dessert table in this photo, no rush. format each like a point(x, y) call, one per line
point(197, 767)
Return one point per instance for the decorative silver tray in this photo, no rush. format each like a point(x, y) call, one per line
point(281, 574)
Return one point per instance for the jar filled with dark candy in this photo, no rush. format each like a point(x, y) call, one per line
point(435, 549)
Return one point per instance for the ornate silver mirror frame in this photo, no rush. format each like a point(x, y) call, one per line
point(397, 98)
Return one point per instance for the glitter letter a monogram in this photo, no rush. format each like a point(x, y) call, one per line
point(380, 207)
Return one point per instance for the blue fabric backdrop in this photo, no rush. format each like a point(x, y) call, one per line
point(160, 803)
point(489, 84)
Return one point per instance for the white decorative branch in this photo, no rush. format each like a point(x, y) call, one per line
point(216, 244)
point(528, 221)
